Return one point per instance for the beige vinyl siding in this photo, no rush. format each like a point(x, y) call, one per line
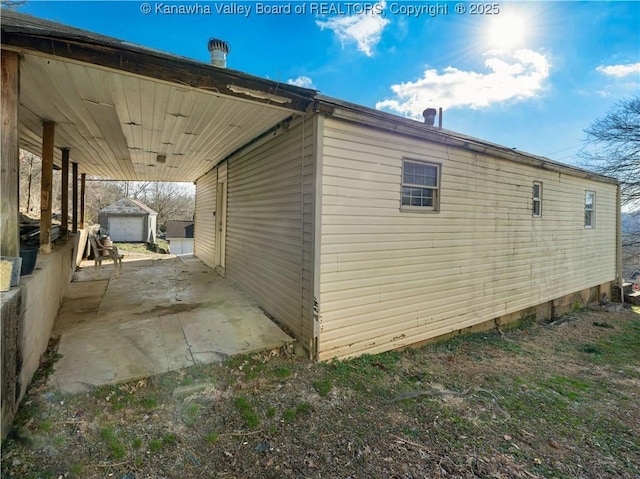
point(269, 225)
point(204, 231)
point(310, 143)
point(390, 278)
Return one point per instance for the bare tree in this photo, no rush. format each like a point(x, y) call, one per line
point(30, 183)
point(170, 200)
point(137, 189)
point(613, 148)
point(30, 173)
point(100, 194)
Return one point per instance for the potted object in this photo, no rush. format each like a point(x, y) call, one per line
point(29, 255)
point(11, 266)
point(106, 242)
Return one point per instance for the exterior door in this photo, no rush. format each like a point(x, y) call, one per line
point(221, 218)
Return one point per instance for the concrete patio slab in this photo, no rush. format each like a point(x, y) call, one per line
point(157, 316)
point(245, 331)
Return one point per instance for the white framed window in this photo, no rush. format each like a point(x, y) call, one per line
point(590, 209)
point(420, 185)
point(536, 208)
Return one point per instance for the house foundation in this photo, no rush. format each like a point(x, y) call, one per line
point(541, 313)
point(28, 314)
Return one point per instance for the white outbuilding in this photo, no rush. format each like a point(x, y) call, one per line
point(180, 236)
point(128, 220)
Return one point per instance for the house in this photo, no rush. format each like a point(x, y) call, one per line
point(179, 234)
point(364, 232)
point(357, 230)
point(128, 220)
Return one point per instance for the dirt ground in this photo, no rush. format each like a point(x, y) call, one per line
point(558, 400)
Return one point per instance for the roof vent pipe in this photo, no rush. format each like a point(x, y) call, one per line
point(218, 50)
point(429, 116)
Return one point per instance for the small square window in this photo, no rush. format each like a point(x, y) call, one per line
point(536, 209)
point(590, 209)
point(420, 185)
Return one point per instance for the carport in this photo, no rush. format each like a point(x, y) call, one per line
point(190, 315)
point(106, 108)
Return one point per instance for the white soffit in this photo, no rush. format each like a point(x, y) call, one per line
point(117, 124)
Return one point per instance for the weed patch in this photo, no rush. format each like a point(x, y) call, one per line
point(247, 412)
point(149, 402)
point(155, 445)
point(190, 414)
point(622, 347)
point(115, 446)
point(618, 349)
point(323, 386)
point(282, 372)
point(303, 408)
point(591, 349)
point(363, 373)
point(289, 414)
point(570, 388)
point(76, 469)
point(212, 437)
point(169, 439)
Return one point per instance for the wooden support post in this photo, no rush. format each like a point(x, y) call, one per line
point(10, 162)
point(64, 227)
point(46, 188)
point(74, 224)
point(83, 180)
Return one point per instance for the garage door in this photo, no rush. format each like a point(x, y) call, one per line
point(126, 228)
point(181, 246)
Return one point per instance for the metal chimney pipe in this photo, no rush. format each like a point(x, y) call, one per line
point(218, 49)
point(429, 116)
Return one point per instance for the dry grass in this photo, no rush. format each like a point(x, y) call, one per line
point(539, 401)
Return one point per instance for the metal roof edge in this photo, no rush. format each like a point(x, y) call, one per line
point(134, 202)
point(140, 204)
point(379, 119)
point(14, 25)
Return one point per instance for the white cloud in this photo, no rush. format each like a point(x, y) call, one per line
point(509, 76)
point(303, 81)
point(365, 29)
point(619, 70)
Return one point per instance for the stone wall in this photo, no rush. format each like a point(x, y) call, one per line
point(11, 357)
point(28, 313)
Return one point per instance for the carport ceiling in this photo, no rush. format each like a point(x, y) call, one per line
point(117, 125)
point(132, 113)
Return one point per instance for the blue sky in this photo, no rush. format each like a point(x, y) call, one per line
point(528, 75)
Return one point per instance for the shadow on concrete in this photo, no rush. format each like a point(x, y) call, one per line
point(160, 314)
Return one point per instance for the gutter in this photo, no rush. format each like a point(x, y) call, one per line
point(385, 121)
